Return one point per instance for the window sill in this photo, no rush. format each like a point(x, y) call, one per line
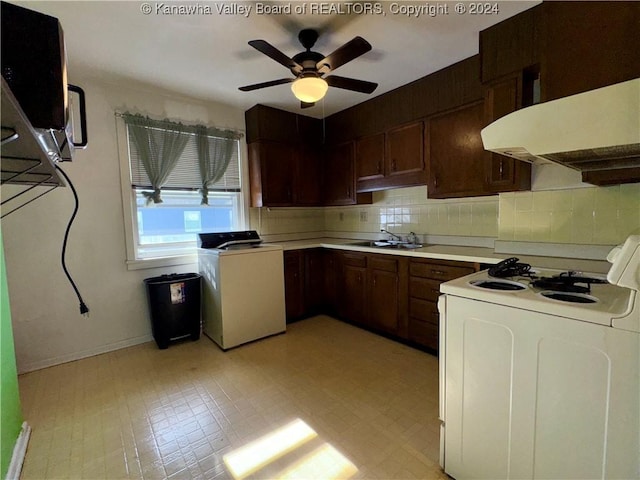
point(145, 263)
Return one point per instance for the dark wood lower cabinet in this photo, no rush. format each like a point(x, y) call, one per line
point(331, 261)
point(304, 283)
point(353, 301)
point(313, 280)
point(389, 294)
point(294, 284)
point(425, 277)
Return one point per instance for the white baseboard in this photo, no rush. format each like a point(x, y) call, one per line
point(50, 362)
point(19, 452)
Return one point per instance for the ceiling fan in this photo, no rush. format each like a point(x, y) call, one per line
point(309, 68)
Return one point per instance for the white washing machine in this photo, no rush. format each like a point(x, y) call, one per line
point(243, 288)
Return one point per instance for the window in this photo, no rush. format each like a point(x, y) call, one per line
point(182, 180)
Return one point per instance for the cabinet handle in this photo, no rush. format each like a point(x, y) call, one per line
point(435, 181)
point(348, 192)
point(501, 168)
point(438, 272)
point(379, 167)
point(393, 164)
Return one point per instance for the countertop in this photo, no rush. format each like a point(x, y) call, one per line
point(450, 252)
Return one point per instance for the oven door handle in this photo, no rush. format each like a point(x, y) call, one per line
point(83, 116)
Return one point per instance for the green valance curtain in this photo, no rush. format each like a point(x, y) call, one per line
point(181, 156)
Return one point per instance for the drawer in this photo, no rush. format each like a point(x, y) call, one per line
point(424, 288)
point(354, 259)
point(438, 272)
point(381, 263)
point(425, 334)
point(424, 310)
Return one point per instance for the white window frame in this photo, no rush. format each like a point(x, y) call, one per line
point(130, 211)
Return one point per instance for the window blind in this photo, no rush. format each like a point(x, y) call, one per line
point(186, 173)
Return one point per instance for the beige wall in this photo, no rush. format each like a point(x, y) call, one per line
point(587, 215)
point(48, 327)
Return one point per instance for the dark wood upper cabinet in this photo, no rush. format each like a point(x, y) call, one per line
point(511, 45)
point(284, 158)
point(405, 151)
point(268, 123)
point(370, 158)
point(271, 169)
point(307, 189)
point(504, 174)
point(339, 176)
point(392, 159)
point(456, 157)
point(588, 45)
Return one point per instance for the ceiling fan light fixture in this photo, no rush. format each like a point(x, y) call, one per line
point(309, 89)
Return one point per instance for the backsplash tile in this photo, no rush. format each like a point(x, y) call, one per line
point(590, 215)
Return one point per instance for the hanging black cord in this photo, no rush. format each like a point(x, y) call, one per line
point(83, 307)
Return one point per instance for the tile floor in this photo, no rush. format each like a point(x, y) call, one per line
point(325, 400)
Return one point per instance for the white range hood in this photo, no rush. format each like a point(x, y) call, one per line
point(595, 130)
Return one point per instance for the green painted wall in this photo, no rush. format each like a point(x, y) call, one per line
point(11, 414)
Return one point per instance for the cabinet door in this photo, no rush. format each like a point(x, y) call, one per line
point(339, 178)
point(271, 170)
point(308, 177)
point(503, 173)
point(456, 154)
point(313, 281)
point(370, 157)
point(570, 63)
point(383, 300)
point(332, 281)
point(354, 294)
point(510, 45)
point(294, 284)
point(405, 150)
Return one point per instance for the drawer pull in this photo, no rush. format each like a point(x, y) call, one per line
point(438, 272)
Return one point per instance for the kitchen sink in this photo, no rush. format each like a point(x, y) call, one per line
point(387, 245)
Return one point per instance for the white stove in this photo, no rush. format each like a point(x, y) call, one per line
point(596, 302)
point(540, 372)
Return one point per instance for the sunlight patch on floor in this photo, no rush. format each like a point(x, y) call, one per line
point(323, 463)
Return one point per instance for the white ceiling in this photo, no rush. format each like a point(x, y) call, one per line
point(207, 56)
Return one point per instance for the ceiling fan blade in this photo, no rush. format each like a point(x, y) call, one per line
point(347, 52)
point(306, 104)
point(272, 52)
point(351, 84)
point(272, 83)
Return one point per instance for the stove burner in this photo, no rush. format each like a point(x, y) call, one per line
point(569, 297)
point(505, 285)
point(567, 282)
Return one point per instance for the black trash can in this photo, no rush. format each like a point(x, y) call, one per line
point(174, 307)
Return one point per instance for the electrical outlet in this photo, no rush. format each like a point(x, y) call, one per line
point(364, 215)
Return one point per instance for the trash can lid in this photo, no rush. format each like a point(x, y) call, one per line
point(172, 277)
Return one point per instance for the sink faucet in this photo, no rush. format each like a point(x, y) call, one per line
point(392, 234)
point(412, 238)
